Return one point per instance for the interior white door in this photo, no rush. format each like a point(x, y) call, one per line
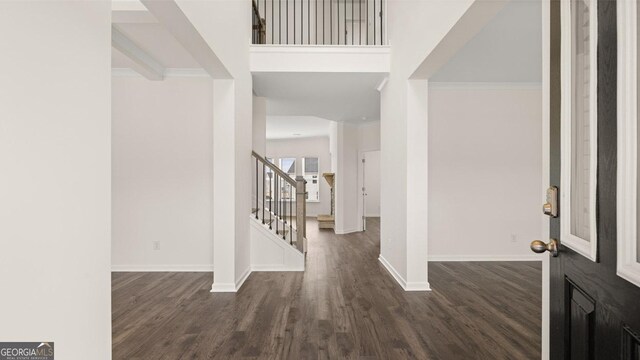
point(372, 183)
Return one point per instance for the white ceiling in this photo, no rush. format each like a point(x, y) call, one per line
point(350, 97)
point(508, 49)
point(289, 127)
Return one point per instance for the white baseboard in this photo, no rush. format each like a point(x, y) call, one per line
point(417, 286)
point(231, 287)
point(161, 268)
point(345, 231)
point(532, 257)
point(243, 278)
point(392, 271)
point(276, 267)
point(406, 286)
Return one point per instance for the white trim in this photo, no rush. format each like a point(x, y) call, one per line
point(345, 231)
point(275, 267)
point(231, 287)
point(627, 266)
point(162, 268)
point(485, 85)
point(417, 286)
point(186, 72)
point(406, 286)
point(336, 49)
point(243, 278)
point(532, 257)
point(223, 287)
point(546, 172)
point(583, 247)
point(394, 273)
point(168, 73)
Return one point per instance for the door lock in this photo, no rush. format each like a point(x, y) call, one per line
point(551, 206)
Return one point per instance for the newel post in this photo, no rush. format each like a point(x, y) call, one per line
point(301, 213)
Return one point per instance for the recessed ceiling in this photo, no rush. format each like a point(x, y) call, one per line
point(507, 49)
point(349, 97)
point(291, 127)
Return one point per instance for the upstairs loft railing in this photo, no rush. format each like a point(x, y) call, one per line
point(280, 202)
point(319, 22)
point(258, 25)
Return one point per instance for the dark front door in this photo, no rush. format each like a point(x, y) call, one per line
point(595, 314)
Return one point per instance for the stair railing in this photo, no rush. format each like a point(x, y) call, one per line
point(283, 202)
point(319, 22)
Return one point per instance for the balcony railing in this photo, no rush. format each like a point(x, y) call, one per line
point(319, 22)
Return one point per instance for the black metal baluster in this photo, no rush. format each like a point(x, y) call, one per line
point(367, 20)
point(284, 211)
point(309, 22)
point(323, 22)
point(270, 198)
point(277, 181)
point(374, 22)
point(264, 204)
point(359, 22)
point(294, 22)
point(287, 25)
point(381, 33)
point(273, 37)
point(301, 22)
point(316, 21)
point(338, 21)
point(330, 22)
point(280, 22)
point(352, 23)
point(345, 21)
point(291, 199)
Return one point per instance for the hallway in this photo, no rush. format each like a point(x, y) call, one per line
point(345, 305)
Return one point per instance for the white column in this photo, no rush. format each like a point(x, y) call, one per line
point(224, 186)
point(417, 184)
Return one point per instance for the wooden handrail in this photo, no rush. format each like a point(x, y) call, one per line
point(274, 168)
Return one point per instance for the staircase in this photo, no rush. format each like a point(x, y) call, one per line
point(279, 203)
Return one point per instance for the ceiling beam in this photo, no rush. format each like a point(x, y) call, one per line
point(132, 17)
point(176, 22)
point(479, 14)
point(143, 63)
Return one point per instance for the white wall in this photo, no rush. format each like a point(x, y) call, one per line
point(346, 179)
point(485, 167)
point(162, 174)
point(369, 136)
point(307, 147)
point(55, 187)
point(259, 129)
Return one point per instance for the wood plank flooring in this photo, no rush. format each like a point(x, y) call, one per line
point(344, 306)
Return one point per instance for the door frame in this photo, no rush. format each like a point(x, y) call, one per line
point(361, 200)
point(546, 171)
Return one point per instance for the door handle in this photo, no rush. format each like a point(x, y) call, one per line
point(538, 246)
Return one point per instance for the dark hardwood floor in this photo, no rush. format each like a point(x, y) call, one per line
point(345, 305)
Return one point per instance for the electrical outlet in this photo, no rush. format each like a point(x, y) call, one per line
point(514, 238)
point(156, 245)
